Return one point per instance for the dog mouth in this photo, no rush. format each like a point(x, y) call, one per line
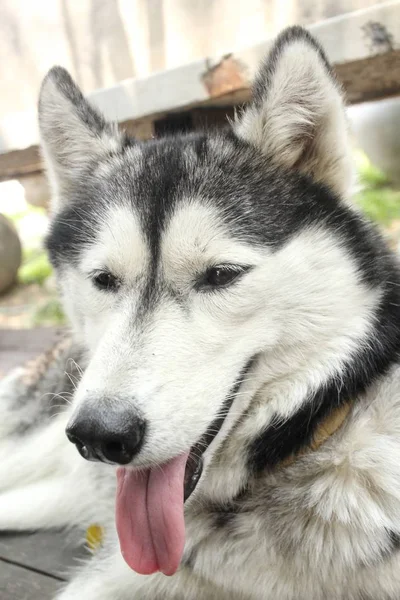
point(193, 472)
point(150, 502)
point(194, 463)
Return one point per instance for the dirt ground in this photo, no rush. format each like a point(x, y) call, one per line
point(20, 305)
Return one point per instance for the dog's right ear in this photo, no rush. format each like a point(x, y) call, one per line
point(74, 136)
point(297, 117)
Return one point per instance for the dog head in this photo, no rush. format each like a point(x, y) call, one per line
point(198, 268)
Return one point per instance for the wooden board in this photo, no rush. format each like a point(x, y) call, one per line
point(363, 46)
point(54, 553)
point(361, 37)
point(19, 346)
point(17, 583)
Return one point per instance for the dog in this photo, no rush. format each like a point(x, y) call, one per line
point(232, 376)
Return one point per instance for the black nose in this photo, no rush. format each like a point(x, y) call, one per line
point(107, 430)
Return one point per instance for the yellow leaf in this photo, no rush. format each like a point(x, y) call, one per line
point(94, 536)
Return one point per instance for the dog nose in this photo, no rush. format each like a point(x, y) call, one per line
point(109, 431)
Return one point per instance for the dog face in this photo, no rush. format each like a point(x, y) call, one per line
point(192, 264)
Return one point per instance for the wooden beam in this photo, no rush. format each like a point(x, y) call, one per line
point(371, 78)
point(362, 37)
point(363, 46)
point(18, 583)
point(17, 346)
point(18, 163)
point(53, 553)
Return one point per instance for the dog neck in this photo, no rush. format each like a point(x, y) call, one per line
point(301, 398)
point(322, 433)
point(286, 435)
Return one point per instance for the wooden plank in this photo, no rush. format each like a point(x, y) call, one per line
point(20, 162)
point(362, 45)
point(19, 346)
point(371, 79)
point(23, 163)
point(51, 552)
point(17, 583)
point(28, 161)
point(358, 36)
point(31, 340)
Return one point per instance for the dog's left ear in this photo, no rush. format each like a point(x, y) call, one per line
point(74, 135)
point(297, 116)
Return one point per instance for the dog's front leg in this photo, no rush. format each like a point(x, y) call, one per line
point(77, 497)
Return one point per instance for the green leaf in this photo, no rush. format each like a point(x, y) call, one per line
point(35, 270)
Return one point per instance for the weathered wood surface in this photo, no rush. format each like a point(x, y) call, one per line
point(18, 583)
point(363, 46)
point(19, 346)
point(34, 565)
point(54, 553)
point(361, 37)
point(27, 161)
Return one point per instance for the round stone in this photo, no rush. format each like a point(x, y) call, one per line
point(10, 253)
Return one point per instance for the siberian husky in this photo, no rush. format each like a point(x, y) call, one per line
point(235, 347)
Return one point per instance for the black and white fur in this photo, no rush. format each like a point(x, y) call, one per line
point(315, 313)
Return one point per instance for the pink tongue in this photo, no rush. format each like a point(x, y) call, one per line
point(149, 516)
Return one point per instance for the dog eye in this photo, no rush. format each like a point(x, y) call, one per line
point(221, 276)
point(105, 281)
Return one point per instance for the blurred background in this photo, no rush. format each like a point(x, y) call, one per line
point(104, 42)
